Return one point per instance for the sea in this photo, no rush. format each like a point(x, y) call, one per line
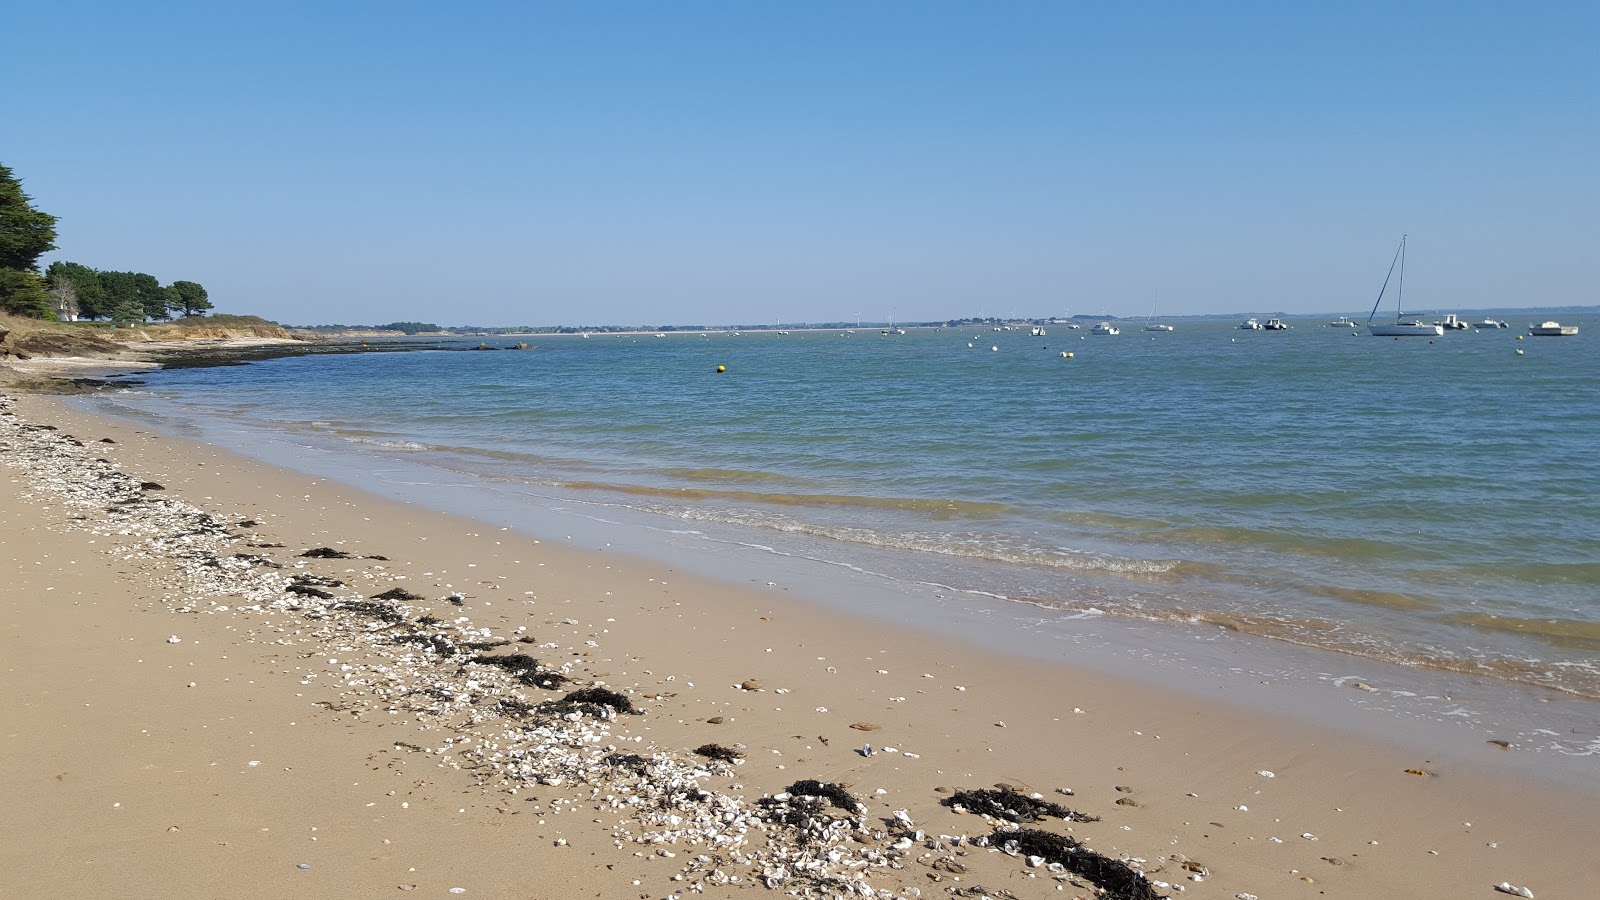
point(1427, 504)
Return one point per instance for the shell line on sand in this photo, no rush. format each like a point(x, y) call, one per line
point(396, 660)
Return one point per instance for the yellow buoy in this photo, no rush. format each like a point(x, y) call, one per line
point(721, 369)
point(1519, 337)
point(1065, 355)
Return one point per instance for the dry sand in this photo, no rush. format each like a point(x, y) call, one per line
point(269, 737)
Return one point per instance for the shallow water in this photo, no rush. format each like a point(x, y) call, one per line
point(1427, 502)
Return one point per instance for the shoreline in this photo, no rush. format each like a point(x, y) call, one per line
point(680, 647)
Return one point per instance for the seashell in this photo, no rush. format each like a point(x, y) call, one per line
point(1506, 887)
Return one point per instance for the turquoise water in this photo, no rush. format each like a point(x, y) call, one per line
point(1432, 502)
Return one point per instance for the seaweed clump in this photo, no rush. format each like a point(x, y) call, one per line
point(833, 793)
point(1116, 879)
point(380, 611)
point(719, 753)
point(306, 590)
point(325, 553)
point(598, 702)
point(528, 671)
point(1014, 806)
point(397, 594)
point(802, 807)
point(438, 643)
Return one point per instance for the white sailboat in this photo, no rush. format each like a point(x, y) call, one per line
point(1150, 324)
point(1402, 326)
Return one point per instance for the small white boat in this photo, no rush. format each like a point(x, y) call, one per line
point(1104, 328)
point(1249, 325)
point(1491, 323)
point(1038, 331)
point(1157, 327)
point(1451, 323)
point(1344, 322)
point(1552, 329)
point(1275, 325)
point(1402, 326)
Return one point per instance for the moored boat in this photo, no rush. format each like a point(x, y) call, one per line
point(1104, 328)
point(1344, 322)
point(1275, 325)
point(1491, 323)
point(1249, 325)
point(1451, 322)
point(1552, 329)
point(1402, 326)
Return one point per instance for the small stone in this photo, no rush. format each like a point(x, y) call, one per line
point(303, 866)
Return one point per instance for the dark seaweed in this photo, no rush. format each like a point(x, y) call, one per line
point(718, 753)
point(428, 620)
point(318, 580)
point(631, 761)
point(1013, 806)
point(597, 702)
point(150, 486)
point(397, 594)
point(1115, 878)
point(306, 590)
point(325, 553)
point(829, 791)
point(380, 611)
point(527, 670)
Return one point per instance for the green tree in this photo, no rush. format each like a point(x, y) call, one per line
point(127, 311)
point(93, 303)
point(138, 289)
point(187, 297)
point(24, 294)
point(25, 233)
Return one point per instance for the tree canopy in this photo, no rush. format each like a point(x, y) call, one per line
point(187, 297)
point(25, 234)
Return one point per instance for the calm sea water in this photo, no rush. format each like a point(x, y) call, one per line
point(1432, 502)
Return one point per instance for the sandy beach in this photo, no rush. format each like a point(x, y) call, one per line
point(196, 708)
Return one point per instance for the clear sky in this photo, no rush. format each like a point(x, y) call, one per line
point(744, 162)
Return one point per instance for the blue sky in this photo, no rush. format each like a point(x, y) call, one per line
point(737, 162)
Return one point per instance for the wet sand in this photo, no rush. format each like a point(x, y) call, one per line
point(282, 730)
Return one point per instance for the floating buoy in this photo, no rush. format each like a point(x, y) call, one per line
point(969, 345)
point(1519, 337)
point(1519, 351)
point(1065, 355)
point(721, 369)
point(995, 348)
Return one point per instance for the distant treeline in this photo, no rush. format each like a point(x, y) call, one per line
point(69, 290)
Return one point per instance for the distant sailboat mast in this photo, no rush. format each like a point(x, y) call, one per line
point(1399, 255)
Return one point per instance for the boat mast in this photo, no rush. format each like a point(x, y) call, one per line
point(1400, 291)
point(1378, 302)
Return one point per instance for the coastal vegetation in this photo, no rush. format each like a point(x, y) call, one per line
point(69, 290)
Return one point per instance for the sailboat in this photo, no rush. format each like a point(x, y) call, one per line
point(1150, 324)
point(1402, 326)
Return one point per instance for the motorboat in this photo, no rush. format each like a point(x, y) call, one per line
point(1491, 323)
point(1275, 325)
point(1104, 328)
point(1451, 322)
point(1402, 326)
point(1249, 325)
point(1344, 322)
point(1038, 331)
point(1552, 329)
